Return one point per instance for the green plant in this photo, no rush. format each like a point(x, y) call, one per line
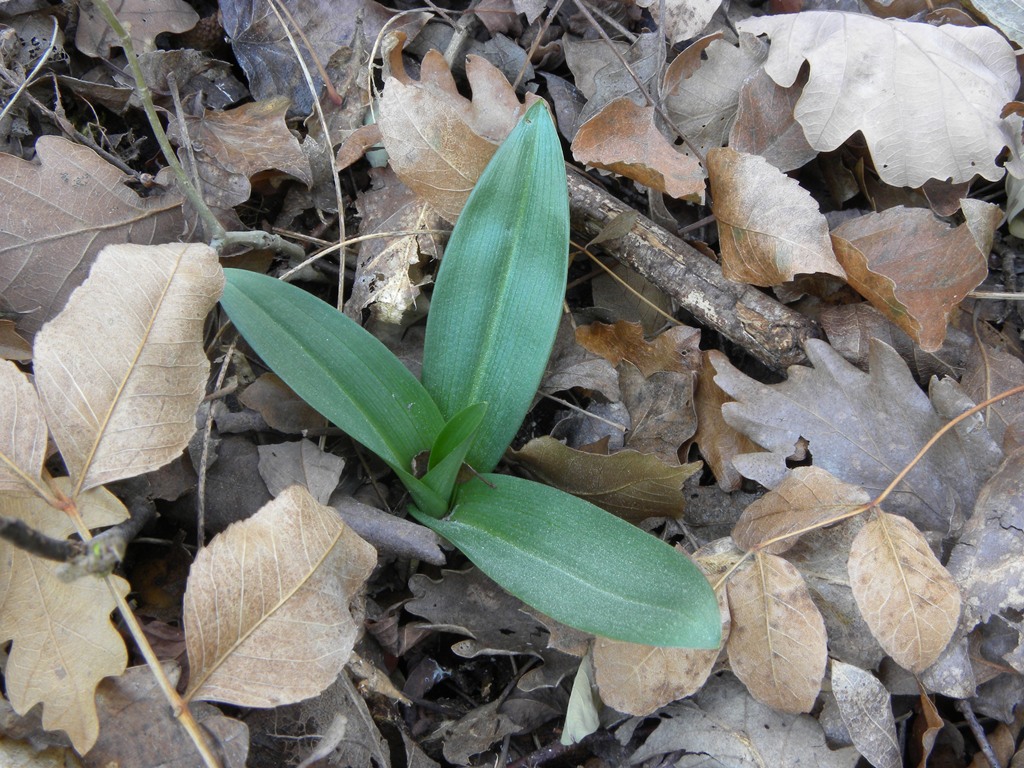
point(492, 323)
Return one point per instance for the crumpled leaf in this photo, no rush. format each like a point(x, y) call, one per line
point(388, 271)
point(907, 598)
point(867, 712)
point(601, 76)
point(64, 643)
point(765, 124)
point(770, 227)
point(863, 437)
point(677, 349)
point(22, 431)
point(914, 268)
point(624, 139)
point(660, 410)
point(777, 644)
point(926, 98)
point(573, 365)
point(233, 145)
point(438, 141)
point(806, 498)
point(122, 369)
point(61, 212)
point(631, 485)
point(143, 20)
point(293, 574)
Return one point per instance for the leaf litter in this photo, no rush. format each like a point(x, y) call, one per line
point(824, 160)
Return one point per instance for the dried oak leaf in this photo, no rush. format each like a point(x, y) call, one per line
point(915, 269)
point(64, 643)
point(770, 227)
point(927, 99)
point(677, 349)
point(624, 139)
point(143, 20)
point(905, 595)
point(22, 431)
point(631, 485)
point(293, 574)
point(660, 410)
point(602, 77)
point(777, 644)
point(233, 145)
point(58, 214)
point(438, 141)
point(862, 427)
point(866, 709)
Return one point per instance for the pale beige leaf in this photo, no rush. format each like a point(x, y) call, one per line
point(300, 463)
point(143, 20)
point(121, 371)
point(926, 98)
point(777, 644)
point(808, 497)
point(22, 431)
point(683, 19)
point(64, 643)
point(273, 605)
point(770, 228)
point(908, 599)
point(866, 710)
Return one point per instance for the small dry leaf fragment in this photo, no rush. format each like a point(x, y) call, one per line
point(867, 712)
point(143, 21)
point(808, 497)
point(632, 485)
point(718, 442)
point(777, 644)
point(281, 408)
point(677, 349)
point(914, 268)
point(64, 643)
point(12, 345)
point(770, 228)
point(300, 463)
point(908, 599)
point(122, 369)
point(292, 574)
point(22, 431)
point(623, 138)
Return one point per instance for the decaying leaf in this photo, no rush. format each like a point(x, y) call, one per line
point(677, 349)
point(60, 214)
point(914, 268)
point(926, 98)
point(777, 644)
point(64, 643)
point(438, 141)
point(770, 228)
point(807, 497)
point(991, 370)
point(683, 19)
point(907, 598)
point(300, 463)
point(632, 485)
point(293, 574)
point(867, 712)
point(863, 437)
point(142, 19)
point(660, 410)
point(765, 124)
point(22, 431)
point(623, 138)
point(281, 408)
point(122, 369)
point(601, 75)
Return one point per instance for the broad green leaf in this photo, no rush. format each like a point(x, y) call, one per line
point(450, 448)
point(499, 291)
point(579, 564)
point(335, 366)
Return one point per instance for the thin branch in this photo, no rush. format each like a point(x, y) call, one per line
point(28, 539)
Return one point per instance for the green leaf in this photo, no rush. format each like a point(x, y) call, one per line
point(334, 365)
point(579, 564)
point(498, 295)
point(450, 448)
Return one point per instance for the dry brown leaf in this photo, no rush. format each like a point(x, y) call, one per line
point(292, 575)
point(765, 124)
point(281, 408)
point(601, 76)
point(233, 145)
point(632, 485)
point(991, 370)
point(905, 595)
point(12, 345)
point(660, 410)
point(64, 643)
point(808, 497)
point(718, 442)
point(677, 349)
point(777, 644)
point(866, 710)
point(22, 431)
point(571, 365)
point(912, 267)
point(929, 730)
point(624, 139)
point(437, 140)
point(143, 20)
point(300, 463)
point(770, 227)
point(122, 369)
point(926, 98)
point(60, 214)
point(388, 271)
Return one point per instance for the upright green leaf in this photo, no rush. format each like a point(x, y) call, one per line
point(498, 295)
point(450, 449)
point(579, 564)
point(335, 366)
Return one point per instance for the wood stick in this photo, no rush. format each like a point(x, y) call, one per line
point(768, 330)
